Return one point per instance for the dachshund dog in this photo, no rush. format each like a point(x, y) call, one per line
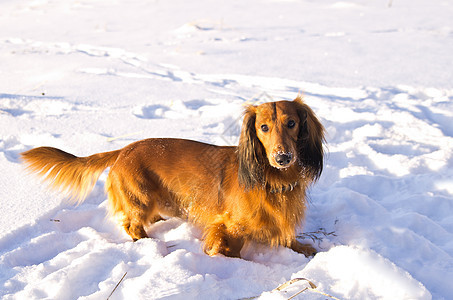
point(252, 192)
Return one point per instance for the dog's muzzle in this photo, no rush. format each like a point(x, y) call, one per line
point(283, 159)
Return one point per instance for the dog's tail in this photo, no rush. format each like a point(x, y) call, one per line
point(72, 175)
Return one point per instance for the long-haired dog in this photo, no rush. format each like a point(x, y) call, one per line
point(252, 192)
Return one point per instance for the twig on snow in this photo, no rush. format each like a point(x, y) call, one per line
point(312, 287)
point(116, 286)
point(317, 236)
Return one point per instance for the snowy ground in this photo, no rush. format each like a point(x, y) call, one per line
point(91, 76)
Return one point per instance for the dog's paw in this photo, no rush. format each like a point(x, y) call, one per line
point(306, 249)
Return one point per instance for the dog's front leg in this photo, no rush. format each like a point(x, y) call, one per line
point(134, 229)
point(218, 241)
point(306, 249)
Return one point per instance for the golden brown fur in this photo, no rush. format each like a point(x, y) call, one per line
point(253, 192)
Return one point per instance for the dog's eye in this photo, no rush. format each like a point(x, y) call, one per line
point(264, 128)
point(291, 124)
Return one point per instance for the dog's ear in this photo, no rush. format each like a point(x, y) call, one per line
point(310, 140)
point(251, 153)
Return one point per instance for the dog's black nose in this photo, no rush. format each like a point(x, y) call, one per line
point(283, 159)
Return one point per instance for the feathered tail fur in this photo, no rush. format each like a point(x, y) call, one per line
point(72, 175)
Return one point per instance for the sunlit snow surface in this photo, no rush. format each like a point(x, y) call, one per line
point(93, 76)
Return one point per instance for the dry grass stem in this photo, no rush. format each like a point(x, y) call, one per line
point(116, 286)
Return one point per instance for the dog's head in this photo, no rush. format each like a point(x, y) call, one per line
point(279, 135)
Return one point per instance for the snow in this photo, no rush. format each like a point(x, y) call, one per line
point(92, 76)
